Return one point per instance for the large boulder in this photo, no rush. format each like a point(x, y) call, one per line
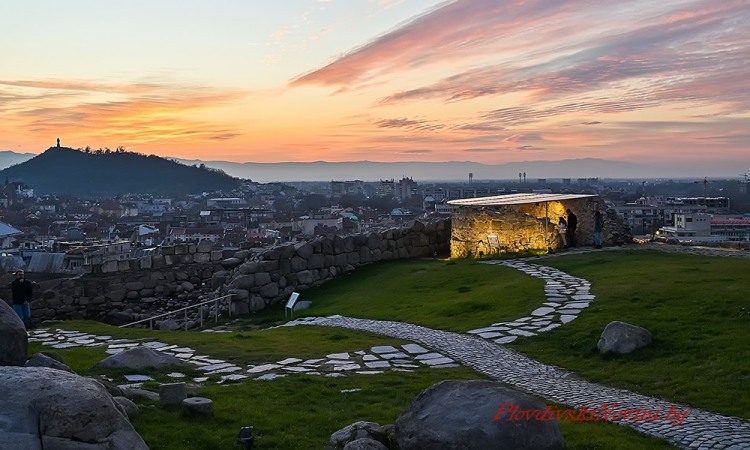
point(42, 360)
point(42, 408)
point(139, 358)
point(466, 415)
point(365, 444)
point(14, 341)
point(623, 338)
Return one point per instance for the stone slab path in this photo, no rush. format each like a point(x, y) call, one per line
point(699, 429)
point(374, 361)
point(566, 296)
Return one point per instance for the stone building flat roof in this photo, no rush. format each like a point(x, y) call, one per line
point(516, 199)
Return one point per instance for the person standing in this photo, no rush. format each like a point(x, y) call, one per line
point(598, 225)
point(572, 225)
point(562, 226)
point(21, 289)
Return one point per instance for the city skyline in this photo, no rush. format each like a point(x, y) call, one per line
point(382, 80)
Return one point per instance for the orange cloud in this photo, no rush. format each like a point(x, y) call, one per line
point(126, 115)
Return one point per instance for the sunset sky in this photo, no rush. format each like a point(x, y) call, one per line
point(491, 81)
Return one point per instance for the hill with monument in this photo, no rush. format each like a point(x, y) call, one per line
point(67, 171)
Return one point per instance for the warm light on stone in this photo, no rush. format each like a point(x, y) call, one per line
point(522, 228)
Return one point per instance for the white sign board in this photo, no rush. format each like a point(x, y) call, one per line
point(290, 303)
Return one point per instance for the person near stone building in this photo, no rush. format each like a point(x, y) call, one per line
point(562, 227)
point(572, 225)
point(22, 290)
point(598, 225)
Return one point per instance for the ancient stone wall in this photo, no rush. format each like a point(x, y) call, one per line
point(259, 279)
point(170, 255)
point(522, 228)
point(184, 275)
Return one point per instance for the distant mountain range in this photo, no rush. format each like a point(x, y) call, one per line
point(61, 170)
point(450, 171)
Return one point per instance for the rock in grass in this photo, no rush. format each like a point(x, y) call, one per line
point(43, 408)
point(622, 338)
point(197, 406)
point(172, 394)
point(356, 431)
point(134, 394)
point(458, 415)
point(42, 360)
point(14, 341)
point(127, 407)
point(139, 358)
point(365, 444)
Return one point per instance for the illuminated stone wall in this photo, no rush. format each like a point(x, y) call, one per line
point(521, 228)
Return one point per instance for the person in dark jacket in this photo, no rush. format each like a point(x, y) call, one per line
point(22, 289)
point(572, 225)
point(598, 225)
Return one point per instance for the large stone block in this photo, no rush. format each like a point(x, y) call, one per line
point(256, 303)
point(145, 262)
point(117, 295)
point(298, 264)
point(45, 408)
point(475, 414)
point(134, 286)
point(326, 246)
point(231, 263)
point(365, 255)
point(373, 241)
point(240, 307)
point(262, 278)
point(204, 246)
point(201, 258)
point(338, 245)
point(340, 260)
point(243, 282)
point(305, 277)
point(269, 290)
point(352, 258)
point(158, 261)
point(109, 267)
point(315, 261)
point(172, 394)
point(249, 267)
point(14, 341)
point(304, 250)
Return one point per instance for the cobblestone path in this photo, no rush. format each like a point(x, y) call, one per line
point(699, 430)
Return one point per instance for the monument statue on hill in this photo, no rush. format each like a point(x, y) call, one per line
point(58, 142)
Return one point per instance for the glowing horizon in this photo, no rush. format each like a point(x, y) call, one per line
point(381, 80)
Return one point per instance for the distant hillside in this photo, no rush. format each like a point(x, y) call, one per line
point(9, 158)
point(430, 171)
point(62, 170)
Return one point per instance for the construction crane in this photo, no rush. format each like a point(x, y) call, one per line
point(705, 189)
point(744, 175)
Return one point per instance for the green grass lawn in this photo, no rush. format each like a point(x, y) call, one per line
point(696, 307)
point(451, 295)
point(299, 411)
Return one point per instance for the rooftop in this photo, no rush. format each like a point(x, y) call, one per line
point(516, 199)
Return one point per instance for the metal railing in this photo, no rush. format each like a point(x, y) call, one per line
point(185, 310)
